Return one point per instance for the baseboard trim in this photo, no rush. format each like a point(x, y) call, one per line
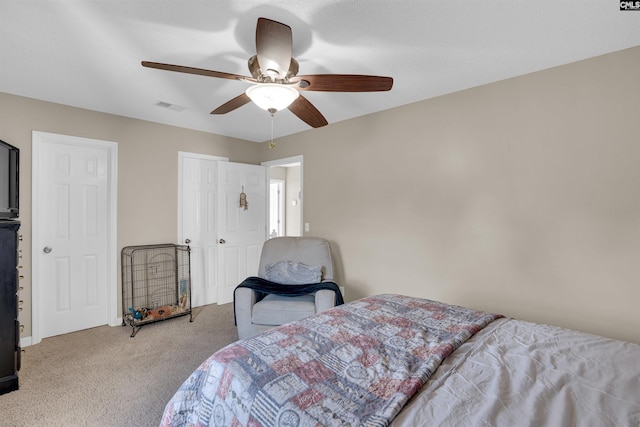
point(27, 341)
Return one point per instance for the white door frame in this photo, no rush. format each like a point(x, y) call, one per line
point(288, 161)
point(38, 139)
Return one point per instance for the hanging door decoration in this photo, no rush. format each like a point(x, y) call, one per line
point(243, 200)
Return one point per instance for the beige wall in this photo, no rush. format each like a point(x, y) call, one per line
point(147, 169)
point(520, 197)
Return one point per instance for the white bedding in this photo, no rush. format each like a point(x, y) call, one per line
point(516, 373)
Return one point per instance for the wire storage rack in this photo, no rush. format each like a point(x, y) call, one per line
point(156, 284)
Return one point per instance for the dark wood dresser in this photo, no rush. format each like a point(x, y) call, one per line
point(9, 325)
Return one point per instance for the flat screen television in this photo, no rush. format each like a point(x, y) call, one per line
point(9, 181)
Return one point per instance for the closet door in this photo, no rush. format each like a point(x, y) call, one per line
point(225, 238)
point(197, 223)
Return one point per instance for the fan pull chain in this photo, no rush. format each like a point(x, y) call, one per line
point(272, 144)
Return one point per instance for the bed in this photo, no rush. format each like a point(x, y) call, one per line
point(403, 361)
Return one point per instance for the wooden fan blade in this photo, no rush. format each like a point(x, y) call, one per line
point(274, 44)
point(344, 83)
point(232, 104)
point(309, 114)
point(197, 71)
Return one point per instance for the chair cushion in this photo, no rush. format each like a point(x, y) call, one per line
point(293, 273)
point(278, 310)
point(307, 250)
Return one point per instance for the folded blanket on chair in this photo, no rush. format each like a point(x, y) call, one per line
point(264, 287)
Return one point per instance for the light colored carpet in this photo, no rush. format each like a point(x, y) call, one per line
point(102, 377)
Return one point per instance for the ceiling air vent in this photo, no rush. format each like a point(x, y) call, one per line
point(170, 106)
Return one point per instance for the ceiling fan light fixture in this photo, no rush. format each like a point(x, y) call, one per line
point(272, 96)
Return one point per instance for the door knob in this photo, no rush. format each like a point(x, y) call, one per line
point(46, 249)
point(187, 241)
point(222, 241)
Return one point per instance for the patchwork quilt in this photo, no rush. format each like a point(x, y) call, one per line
point(356, 364)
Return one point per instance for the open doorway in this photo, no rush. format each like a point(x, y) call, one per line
point(285, 196)
point(277, 216)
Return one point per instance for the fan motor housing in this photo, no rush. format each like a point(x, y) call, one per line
point(263, 76)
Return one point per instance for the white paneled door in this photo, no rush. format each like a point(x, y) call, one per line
point(73, 220)
point(241, 229)
point(197, 223)
point(225, 239)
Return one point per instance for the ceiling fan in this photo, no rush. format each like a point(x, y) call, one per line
point(275, 83)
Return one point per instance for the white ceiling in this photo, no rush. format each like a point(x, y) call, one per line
point(87, 53)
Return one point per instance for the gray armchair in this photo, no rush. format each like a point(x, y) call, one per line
point(313, 255)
